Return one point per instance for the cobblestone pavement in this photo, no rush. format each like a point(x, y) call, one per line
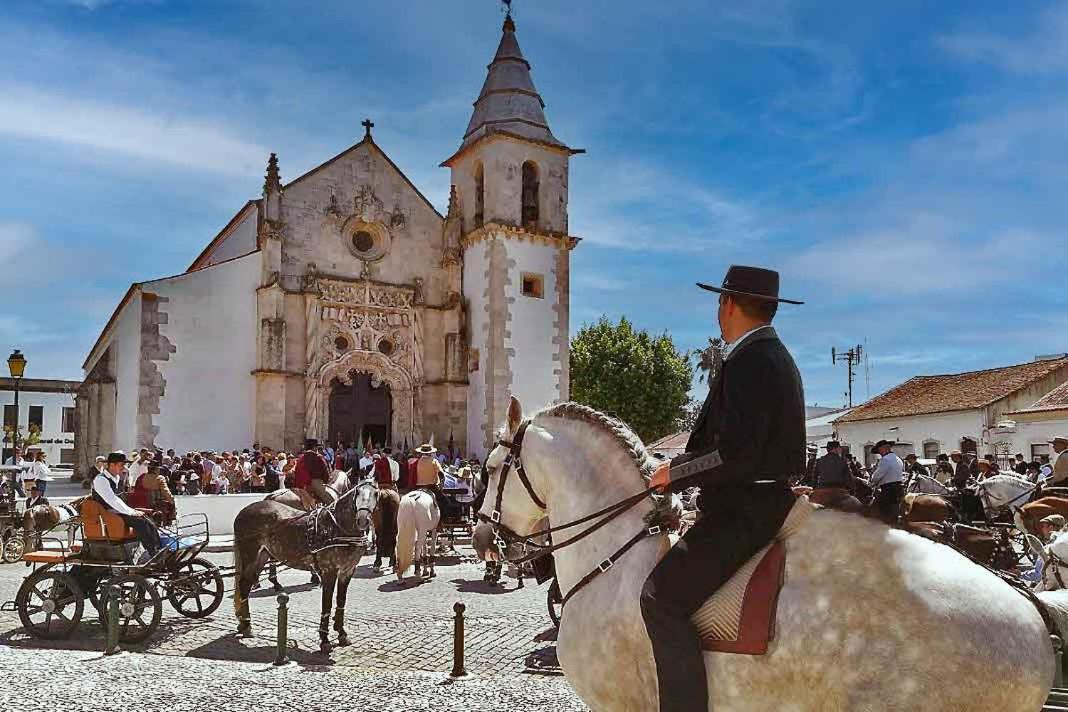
point(71, 681)
point(401, 629)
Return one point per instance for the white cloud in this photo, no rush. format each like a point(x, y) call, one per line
point(183, 141)
point(1042, 50)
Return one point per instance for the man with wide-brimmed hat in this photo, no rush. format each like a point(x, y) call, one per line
point(427, 469)
point(748, 441)
point(105, 491)
point(1058, 462)
point(832, 471)
point(888, 479)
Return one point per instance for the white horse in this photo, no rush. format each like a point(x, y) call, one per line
point(417, 533)
point(869, 617)
point(922, 484)
point(1002, 491)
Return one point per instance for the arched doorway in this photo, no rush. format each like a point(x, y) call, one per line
point(362, 408)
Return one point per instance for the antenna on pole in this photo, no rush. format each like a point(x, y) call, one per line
point(852, 357)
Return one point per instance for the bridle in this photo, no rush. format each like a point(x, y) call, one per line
point(505, 535)
point(984, 496)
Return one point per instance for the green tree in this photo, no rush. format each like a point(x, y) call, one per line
point(642, 379)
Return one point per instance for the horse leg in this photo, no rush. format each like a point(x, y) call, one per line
point(329, 579)
point(272, 576)
point(433, 551)
point(339, 612)
point(247, 574)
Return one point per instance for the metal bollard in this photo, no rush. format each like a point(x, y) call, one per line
point(458, 641)
point(283, 629)
point(112, 645)
point(1058, 656)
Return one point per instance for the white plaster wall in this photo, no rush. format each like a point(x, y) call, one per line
point(532, 326)
point(51, 427)
point(945, 428)
point(1037, 433)
point(476, 262)
point(127, 339)
point(241, 240)
point(210, 394)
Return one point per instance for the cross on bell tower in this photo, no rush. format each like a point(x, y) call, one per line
point(367, 126)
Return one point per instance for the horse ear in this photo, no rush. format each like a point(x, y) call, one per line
point(515, 414)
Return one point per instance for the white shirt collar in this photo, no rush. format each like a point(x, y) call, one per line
point(734, 344)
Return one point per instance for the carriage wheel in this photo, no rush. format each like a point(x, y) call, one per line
point(197, 590)
point(14, 548)
point(50, 604)
point(555, 603)
point(140, 608)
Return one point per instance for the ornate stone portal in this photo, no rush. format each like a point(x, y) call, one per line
point(363, 327)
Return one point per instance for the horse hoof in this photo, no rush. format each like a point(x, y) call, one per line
point(244, 630)
point(278, 588)
point(343, 640)
point(325, 647)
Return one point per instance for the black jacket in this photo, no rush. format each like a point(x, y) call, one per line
point(754, 415)
point(36, 502)
point(832, 471)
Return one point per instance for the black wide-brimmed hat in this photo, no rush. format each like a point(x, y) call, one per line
point(876, 446)
point(310, 443)
point(117, 456)
point(750, 282)
point(832, 444)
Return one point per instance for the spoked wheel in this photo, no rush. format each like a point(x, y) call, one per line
point(197, 589)
point(139, 607)
point(50, 604)
point(14, 548)
point(555, 602)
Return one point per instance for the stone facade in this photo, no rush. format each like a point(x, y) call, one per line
point(351, 270)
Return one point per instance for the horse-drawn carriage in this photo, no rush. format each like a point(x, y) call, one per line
point(51, 600)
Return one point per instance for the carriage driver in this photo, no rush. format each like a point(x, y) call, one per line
point(105, 493)
point(312, 473)
point(749, 439)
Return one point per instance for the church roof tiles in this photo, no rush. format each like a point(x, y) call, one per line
point(925, 395)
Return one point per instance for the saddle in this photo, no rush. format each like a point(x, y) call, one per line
point(740, 616)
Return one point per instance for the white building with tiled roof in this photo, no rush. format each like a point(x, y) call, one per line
point(978, 411)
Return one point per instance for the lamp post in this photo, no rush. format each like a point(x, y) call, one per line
point(16, 364)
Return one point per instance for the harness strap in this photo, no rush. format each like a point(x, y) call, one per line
point(610, 561)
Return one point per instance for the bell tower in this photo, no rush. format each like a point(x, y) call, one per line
point(510, 180)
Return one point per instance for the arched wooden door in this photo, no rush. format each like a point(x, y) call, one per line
point(360, 409)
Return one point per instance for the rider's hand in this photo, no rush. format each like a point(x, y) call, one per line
point(661, 479)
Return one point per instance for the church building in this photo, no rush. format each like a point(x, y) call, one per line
point(342, 304)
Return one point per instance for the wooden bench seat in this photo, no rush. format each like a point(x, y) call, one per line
point(48, 556)
point(98, 524)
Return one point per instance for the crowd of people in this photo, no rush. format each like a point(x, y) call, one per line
point(33, 469)
point(258, 469)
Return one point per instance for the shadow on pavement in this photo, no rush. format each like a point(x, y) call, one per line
point(407, 583)
point(90, 636)
point(232, 647)
point(480, 586)
point(268, 591)
point(543, 661)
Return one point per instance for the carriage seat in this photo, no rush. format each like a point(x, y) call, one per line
point(99, 524)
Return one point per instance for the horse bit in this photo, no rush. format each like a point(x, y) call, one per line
point(504, 535)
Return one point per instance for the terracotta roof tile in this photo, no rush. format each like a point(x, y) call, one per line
point(957, 391)
point(1054, 400)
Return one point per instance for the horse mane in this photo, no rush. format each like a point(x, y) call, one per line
point(609, 425)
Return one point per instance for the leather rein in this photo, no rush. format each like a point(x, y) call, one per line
point(504, 535)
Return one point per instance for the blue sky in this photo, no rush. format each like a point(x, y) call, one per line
point(905, 167)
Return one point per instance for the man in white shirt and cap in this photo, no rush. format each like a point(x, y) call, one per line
point(888, 481)
point(105, 492)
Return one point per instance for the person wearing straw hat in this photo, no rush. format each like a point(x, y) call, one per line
point(1059, 462)
point(427, 468)
point(747, 443)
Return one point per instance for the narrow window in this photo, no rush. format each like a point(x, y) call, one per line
point(533, 285)
point(480, 195)
point(530, 194)
point(10, 416)
point(68, 420)
point(36, 416)
point(930, 450)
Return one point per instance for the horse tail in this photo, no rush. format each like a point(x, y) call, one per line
point(407, 530)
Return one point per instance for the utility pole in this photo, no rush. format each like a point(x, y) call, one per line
point(852, 358)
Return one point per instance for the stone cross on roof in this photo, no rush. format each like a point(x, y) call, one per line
point(367, 126)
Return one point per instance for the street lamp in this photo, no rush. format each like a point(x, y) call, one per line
point(16, 364)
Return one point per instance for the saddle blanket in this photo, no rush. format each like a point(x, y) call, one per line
point(740, 616)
